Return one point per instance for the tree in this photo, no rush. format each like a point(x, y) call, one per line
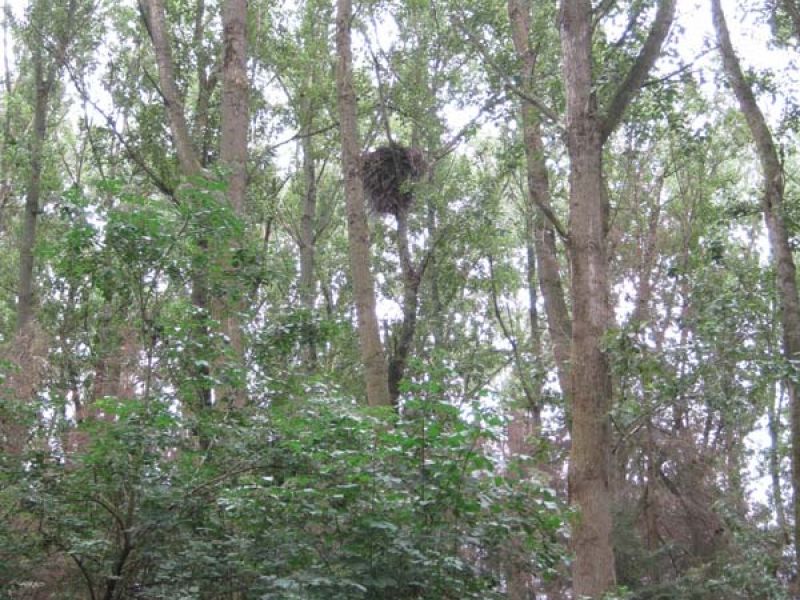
point(587, 130)
point(63, 25)
point(372, 356)
point(772, 203)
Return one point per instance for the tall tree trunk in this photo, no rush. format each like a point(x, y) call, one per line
point(772, 204)
point(558, 319)
point(235, 115)
point(233, 156)
point(155, 20)
point(45, 71)
point(587, 130)
point(372, 355)
point(308, 221)
point(28, 241)
point(5, 171)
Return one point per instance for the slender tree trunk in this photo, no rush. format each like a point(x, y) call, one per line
point(411, 278)
point(558, 319)
point(233, 157)
point(772, 204)
point(45, 73)
point(155, 20)
point(774, 426)
point(5, 171)
point(32, 202)
point(308, 291)
point(372, 355)
point(434, 309)
point(154, 16)
point(526, 422)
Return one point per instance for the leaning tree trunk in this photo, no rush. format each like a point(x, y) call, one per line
point(586, 132)
point(154, 16)
point(558, 319)
point(772, 204)
point(372, 355)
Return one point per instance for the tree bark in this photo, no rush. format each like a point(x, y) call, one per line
point(375, 370)
point(772, 204)
point(235, 92)
point(28, 241)
point(591, 392)
point(235, 118)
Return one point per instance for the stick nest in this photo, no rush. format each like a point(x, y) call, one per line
point(387, 173)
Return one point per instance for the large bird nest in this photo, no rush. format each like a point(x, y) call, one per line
point(387, 173)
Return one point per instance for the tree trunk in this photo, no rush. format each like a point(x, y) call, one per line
point(155, 20)
point(772, 204)
point(593, 569)
point(235, 118)
point(591, 393)
point(411, 279)
point(154, 16)
point(558, 320)
point(28, 241)
point(308, 291)
point(372, 355)
point(44, 78)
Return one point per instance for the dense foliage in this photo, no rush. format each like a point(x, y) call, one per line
point(183, 409)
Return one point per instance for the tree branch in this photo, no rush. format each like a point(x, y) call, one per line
point(641, 67)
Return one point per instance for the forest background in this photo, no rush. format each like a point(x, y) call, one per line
point(400, 299)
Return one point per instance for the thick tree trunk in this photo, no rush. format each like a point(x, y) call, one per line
point(235, 119)
point(772, 204)
point(593, 569)
point(372, 355)
point(234, 111)
point(587, 130)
